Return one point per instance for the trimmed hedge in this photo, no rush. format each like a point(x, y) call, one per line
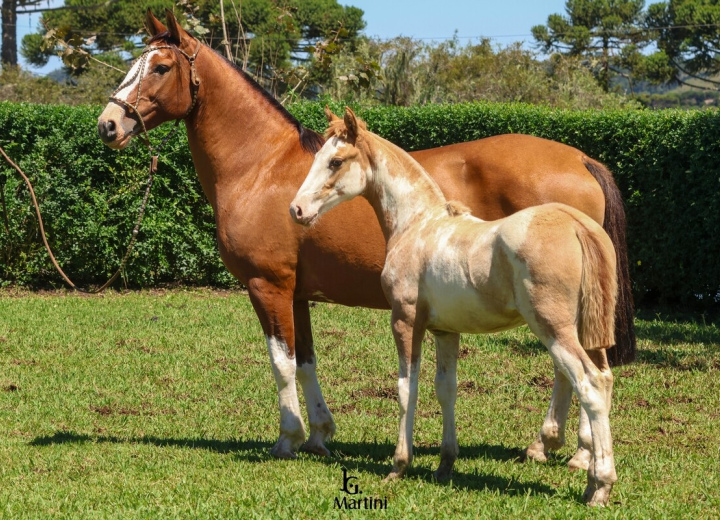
point(666, 164)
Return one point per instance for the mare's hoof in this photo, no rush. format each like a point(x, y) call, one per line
point(442, 475)
point(316, 449)
point(282, 450)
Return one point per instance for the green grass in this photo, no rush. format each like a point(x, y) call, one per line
point(163, 405)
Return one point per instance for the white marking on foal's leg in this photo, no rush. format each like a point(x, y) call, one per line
point(322, 425)
point(407, 398)
point(581, 459)
point(292, 429)
point(447, 346)
point(552, 433)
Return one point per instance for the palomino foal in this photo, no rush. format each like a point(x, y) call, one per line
point(448, 272)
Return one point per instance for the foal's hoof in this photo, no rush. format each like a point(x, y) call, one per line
point(395, 475)
point(316, 449)
point(597, 496)
point(536, 452)
point(580, 461)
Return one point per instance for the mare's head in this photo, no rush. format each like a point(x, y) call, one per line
point(161, 85)
point(339, 172)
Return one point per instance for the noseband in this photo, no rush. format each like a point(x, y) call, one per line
point(133, 108)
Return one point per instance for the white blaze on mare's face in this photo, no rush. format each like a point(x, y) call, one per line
point(134, 73)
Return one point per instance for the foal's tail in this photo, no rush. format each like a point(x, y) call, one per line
point(598, 290)
point(625, 342)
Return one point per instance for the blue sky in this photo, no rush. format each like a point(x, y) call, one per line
point(504, 21)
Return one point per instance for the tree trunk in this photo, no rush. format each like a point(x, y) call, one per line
point(8, 54)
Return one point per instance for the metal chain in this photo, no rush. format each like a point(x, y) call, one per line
point(151, 170)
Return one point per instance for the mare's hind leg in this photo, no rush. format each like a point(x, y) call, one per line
point(447, 345)
point(592, 382)
point(273, 306)
point(322, 425)
point(552, 433)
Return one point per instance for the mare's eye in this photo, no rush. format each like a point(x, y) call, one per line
point(161, 69)
point(336, 163)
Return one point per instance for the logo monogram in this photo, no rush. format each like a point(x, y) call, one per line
point(350, 489)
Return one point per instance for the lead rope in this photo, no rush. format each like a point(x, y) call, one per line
point(151, 170)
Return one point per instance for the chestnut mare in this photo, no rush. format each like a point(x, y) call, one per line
point(251, 156)
point(447, 272)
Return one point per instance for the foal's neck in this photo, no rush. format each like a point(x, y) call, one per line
point(400, 191)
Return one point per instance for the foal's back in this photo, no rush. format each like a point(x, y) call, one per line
point(480, 276)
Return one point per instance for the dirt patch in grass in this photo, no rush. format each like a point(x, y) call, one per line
point(542, 382)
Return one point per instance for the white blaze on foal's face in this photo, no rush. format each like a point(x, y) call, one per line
point(338, 173)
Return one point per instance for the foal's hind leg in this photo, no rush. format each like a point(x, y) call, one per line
point(552, 433)
point(322, 426)
point(592, 382)
point(447, 345)
point(581, 459)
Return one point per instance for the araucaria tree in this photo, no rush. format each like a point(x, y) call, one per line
point(688, 39)
point(607, 34)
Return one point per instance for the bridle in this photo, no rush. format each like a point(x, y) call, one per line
point(140, 73)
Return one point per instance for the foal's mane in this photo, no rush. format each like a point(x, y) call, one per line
point(310, 140)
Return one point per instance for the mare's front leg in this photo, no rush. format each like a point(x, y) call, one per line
point(408, 340)
point(273, 305)
point(447, 346)
point(322, 425)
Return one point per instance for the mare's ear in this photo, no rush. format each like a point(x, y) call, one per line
point(330, 116)
point(153, 26)
point(351, 123)
point(177, 33)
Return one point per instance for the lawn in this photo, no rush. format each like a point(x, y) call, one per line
point(163, 405)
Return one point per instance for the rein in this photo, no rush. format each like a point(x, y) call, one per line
point(152, 169)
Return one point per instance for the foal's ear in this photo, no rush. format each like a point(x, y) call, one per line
point(351, 123)
point(153, 26)
point(177, 33)
point(330, 116)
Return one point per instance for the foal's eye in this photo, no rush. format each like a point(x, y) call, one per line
point(336, 163)
point(161, 69)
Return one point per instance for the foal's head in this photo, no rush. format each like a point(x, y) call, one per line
point(340, 170)
point(161, 85)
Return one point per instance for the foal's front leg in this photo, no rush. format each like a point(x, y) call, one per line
point(447, 346)
point(408, 340)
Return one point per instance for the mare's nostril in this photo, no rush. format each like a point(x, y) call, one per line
point(106, 131)
point(298, 211)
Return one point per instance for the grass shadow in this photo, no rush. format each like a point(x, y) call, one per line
point(369, 457)
point(673, 328)
point(250, 450)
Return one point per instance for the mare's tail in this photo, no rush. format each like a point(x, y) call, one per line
point(625, 342)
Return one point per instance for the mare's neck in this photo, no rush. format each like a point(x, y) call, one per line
point(234, 132)
point(399, 189)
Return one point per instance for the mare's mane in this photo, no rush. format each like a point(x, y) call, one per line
point(310, 140)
